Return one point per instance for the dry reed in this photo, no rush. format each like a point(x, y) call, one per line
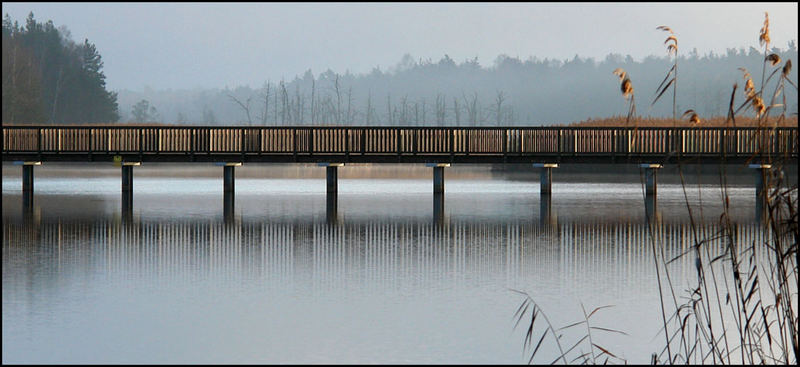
point(744, 306)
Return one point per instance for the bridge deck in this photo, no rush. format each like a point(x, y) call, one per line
point(396, 144)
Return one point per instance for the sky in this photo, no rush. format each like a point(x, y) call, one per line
point(217, 45)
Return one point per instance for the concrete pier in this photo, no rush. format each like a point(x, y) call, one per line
point(27, 178)
point(651, 191)
point(229, 175)
point(127, 175)
point(763, 185)
point(651, 178)
point(332, 179)
point(438, 176)
point(27, 183)
point(331, 176)
point(546, 177)
point(127, 189)
point(127, 178)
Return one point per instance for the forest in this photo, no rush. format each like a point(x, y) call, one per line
point(424, 92)
point(50, 79)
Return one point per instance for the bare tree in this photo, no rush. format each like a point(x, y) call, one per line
point(300, 102)
point(313, 91)
point(497, 108)
point(338, 101)
point(440, 109)
point(265, 96)
point(350, 113)
point(472, 109)
point(457, 111)
point(276, 105)
point(284, 103)
point(369, 109)
point(245, 106)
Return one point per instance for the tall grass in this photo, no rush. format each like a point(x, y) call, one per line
point(743, 306)
point(706, 121)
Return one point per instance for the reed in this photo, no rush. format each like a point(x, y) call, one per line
point(706, 121)
point(743, 307)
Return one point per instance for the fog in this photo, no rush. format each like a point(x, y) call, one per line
point(496, 63)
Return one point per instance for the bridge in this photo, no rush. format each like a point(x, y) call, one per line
point(333, 146)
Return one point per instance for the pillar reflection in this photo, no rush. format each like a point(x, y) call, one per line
point(438, 208)
point(332, 207)
point(548, 218)
point(127, 205)
point(228, 206)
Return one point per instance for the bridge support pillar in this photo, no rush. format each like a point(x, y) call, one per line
point(332, 179)
point(229, 175)
point(762, 188)
point(127, 188)
point(651, 179)
point(27, 176)
point(331, 176)
point(651, 188)
point(27, 183)
point(438, 176)
point(546, 177)
point(127, 175)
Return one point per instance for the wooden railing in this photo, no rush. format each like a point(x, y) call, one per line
point(454, 141)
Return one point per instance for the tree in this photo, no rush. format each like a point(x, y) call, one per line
point(498, 107)
point(144, 112)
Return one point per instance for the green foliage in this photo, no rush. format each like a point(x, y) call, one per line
point(48, 78)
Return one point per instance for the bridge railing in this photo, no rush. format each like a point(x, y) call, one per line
point(401, 140)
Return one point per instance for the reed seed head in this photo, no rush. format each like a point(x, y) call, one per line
point(763, 37)
point(626, 88)
point(773, 59)
point(749, 86)
point(693, 118)
point(787, 68)
point(620, 73)
point(758, 106)
point(672, 48)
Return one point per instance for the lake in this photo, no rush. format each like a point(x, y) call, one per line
point(385, 276)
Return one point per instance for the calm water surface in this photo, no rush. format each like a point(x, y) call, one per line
point(383, 278)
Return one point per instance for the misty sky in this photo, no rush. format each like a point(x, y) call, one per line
point(208, 45)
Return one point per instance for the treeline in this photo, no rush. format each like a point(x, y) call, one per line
point(510, 92)
point(48, 78)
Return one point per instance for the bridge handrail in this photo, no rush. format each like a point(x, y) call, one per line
point(400, 140)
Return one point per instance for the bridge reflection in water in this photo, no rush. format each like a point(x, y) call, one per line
point(357, 253)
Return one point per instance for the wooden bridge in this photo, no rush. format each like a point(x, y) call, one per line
point(545, 147)
point(396, 144)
